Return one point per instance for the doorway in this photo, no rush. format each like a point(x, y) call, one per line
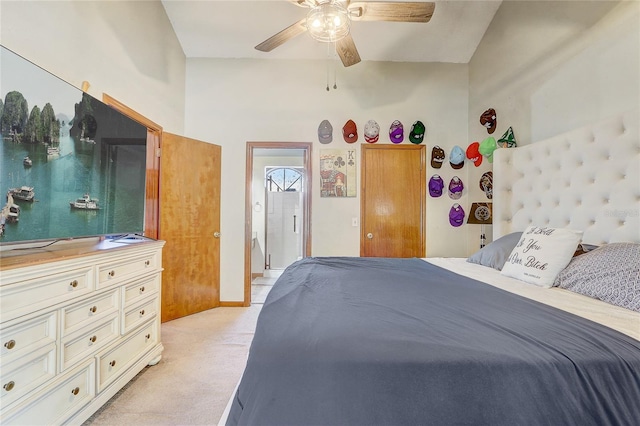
point(174, 225)
point(277, 208)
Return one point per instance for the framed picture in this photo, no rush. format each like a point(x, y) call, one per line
point(338, 173)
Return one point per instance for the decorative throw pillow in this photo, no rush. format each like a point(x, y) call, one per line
point(610, 273)
point(541, 254)
point(495, 254)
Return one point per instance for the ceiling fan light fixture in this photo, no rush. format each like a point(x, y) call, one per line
point(328, 22)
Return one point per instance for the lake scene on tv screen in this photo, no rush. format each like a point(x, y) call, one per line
point(71, 166)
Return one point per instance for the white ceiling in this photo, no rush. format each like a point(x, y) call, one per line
point(231, 29)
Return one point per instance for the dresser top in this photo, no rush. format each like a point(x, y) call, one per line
point(63, 250)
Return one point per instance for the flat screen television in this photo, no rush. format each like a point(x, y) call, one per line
point(71, 166)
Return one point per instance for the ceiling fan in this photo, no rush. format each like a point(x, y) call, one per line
point(330, 20)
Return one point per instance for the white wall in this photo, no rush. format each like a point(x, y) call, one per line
point(126, 49)
point(230, 102)
point(544, 66)
point(549, 67)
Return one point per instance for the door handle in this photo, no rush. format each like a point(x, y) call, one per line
point(294, 223)
point(370, 235)
point(216, 234)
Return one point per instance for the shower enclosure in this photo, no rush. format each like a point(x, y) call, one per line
point(283, 217)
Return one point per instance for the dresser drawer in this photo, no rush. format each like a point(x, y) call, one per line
point(29, 296)
point(19, 377)
point(117, 272)
point(139, 313)
point(80, 314)
point(56, 403)
point(111, 363)
point(140, 289)
point(80, 345)
point(26, 336)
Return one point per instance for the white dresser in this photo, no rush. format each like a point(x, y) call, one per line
point(77, 322)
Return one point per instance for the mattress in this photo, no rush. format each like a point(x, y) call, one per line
point(615, 317)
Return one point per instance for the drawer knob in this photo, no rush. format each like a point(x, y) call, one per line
point(93, 339)
point(142, 312)
point(113, 363)
point(147, 263)
point(10, 344)
point(74, 283)
point(148, 336)
point(9, 386)
point(93, 309)
point(112, 273)
point(142, 289)
point(75, 390)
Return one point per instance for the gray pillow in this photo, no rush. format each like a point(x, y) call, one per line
point(610, 273)
point(495, 254)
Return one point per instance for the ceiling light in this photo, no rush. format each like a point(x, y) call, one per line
point(328, 22)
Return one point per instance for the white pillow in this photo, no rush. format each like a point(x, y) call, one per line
point(541, 254)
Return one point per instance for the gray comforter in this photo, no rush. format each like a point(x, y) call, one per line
point(366, 341)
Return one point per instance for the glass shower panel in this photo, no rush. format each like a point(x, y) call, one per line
point(284, 233)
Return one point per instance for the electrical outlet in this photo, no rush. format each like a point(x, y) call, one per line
point(354, 221)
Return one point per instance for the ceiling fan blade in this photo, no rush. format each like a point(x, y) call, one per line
point(304, 3)
point(347, 51)
point(394, 12)
point(287, 34)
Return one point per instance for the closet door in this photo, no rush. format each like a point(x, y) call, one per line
point(393, 201)
point(190, 225)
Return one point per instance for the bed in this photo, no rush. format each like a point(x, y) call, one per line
point(447, 341)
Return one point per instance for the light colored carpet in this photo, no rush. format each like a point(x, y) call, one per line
point(260, 288)
point(203, 359)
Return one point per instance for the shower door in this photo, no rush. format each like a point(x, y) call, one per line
point(284, 233)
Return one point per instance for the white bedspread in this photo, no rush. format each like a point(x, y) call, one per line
point(617, 318)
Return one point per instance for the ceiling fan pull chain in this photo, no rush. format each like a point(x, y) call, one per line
point(328, 63)
point(335, 81)
point(334, 57)
point(327, 76)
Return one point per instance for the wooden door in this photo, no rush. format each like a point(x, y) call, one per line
point(393, 201)
point(190, 225)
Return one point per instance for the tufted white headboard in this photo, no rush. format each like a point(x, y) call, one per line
point(587, 179)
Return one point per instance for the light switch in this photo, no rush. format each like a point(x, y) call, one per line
point(354, 221)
